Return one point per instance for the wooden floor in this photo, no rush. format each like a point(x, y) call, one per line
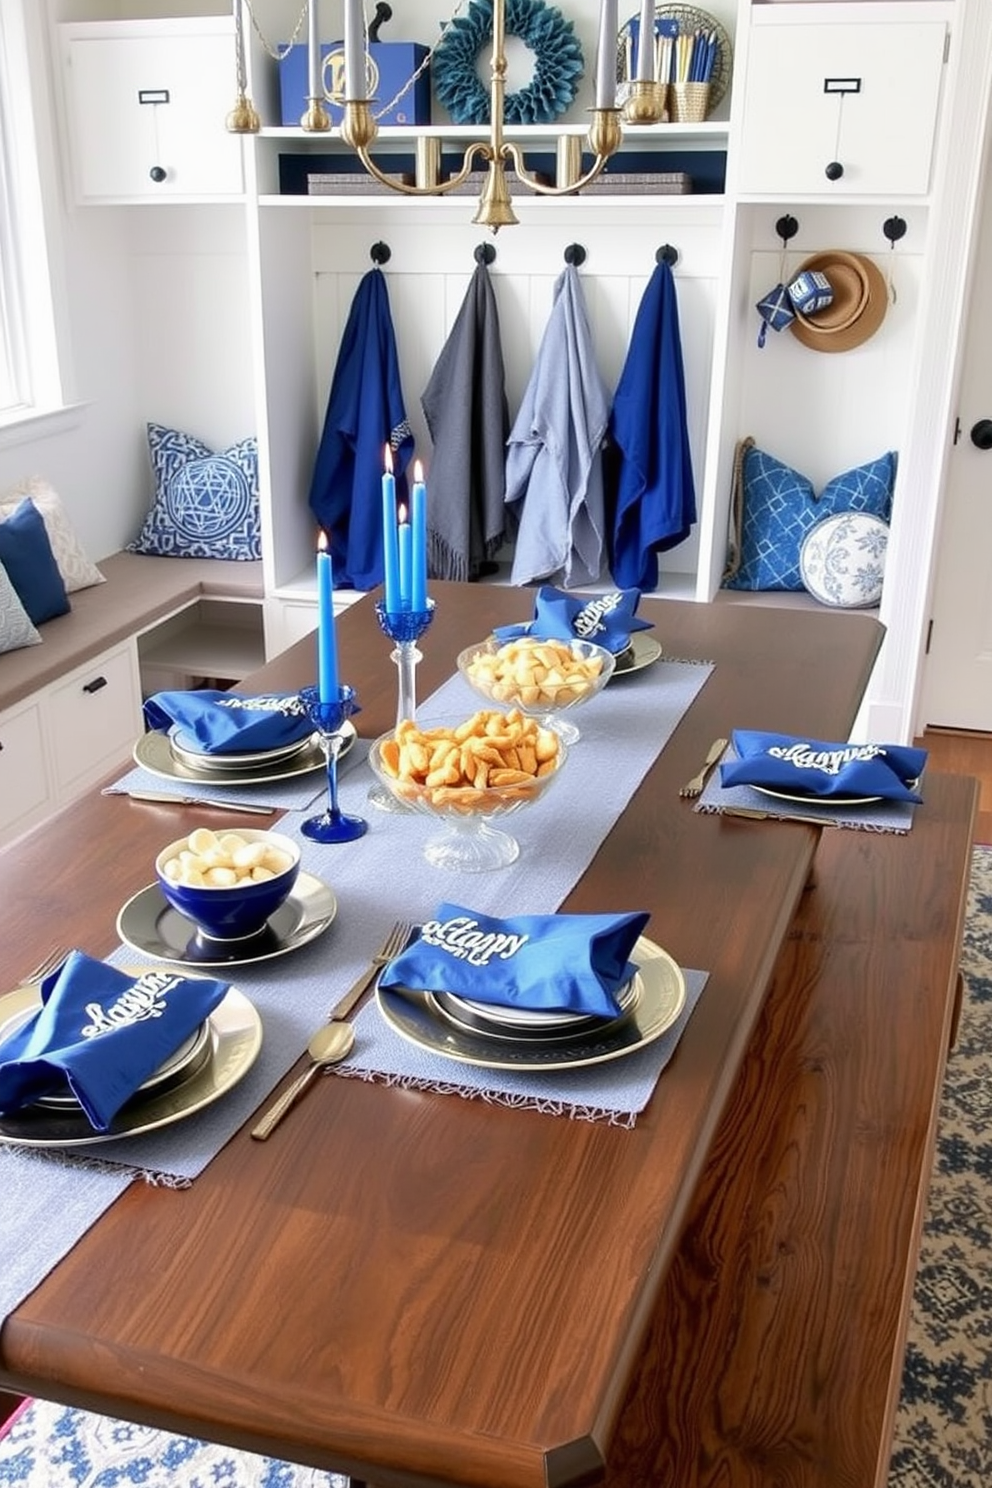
point(961, 753)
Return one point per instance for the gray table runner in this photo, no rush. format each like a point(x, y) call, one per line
point(381, 877)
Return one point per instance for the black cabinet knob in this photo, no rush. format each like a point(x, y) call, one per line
point(981, 434)
point(157, 173)
point(97, 684)
point(834, 171)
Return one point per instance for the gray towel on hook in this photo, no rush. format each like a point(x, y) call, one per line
point(554, 466)
point(468, 418)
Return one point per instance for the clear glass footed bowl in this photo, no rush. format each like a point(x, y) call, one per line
point(462, 804)
point(543, 678)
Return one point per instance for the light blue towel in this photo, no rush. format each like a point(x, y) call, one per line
point(554, 470)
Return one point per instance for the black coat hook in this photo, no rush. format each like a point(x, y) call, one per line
point(575, 254)
point(380, 253)
point(383, 13)
point(894, 228)
point(485, 253)
point(667, 254)
point(786, 227)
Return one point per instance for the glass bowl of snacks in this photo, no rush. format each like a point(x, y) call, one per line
point(466, 771)
point(543, 678)
point(228, 883)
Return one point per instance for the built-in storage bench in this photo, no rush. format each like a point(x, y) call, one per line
point(70, 709)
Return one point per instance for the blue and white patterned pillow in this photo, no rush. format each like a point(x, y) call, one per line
point(206, 503)
point(16, 629)
point(780, 507)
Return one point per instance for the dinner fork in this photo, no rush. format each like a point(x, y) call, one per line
point(391, 946)
point(694, 787)
point(45, 965)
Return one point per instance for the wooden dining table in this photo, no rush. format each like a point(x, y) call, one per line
point(405, 1286)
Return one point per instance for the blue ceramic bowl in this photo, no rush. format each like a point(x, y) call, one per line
point(238, 911)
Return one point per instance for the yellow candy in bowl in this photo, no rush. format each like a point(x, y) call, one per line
point(543, 678)
point(464, 772)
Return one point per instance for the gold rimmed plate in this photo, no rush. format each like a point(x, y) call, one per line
point(153, 751)
point(234, 1033)
point(659, 999)
point(644, 650)
point(149, 925)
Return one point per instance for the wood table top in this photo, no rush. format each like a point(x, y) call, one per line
point(410, 1287)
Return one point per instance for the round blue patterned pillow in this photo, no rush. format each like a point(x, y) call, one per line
point(842, 560)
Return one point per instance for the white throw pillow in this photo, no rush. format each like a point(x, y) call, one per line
point(75, 567)
point(16, 629)
point(842, 560)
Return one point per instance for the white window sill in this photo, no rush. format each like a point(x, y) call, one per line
point(34, 424)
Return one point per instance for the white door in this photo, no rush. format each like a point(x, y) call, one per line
point(957, 678)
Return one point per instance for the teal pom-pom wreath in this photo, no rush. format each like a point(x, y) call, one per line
point(557, 64)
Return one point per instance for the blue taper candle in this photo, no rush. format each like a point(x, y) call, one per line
point(327, 646)
point(403, 537)
point(418, 523)
point(390, 548)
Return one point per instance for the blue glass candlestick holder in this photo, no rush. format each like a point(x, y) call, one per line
point(328, 719)
point(405, 627)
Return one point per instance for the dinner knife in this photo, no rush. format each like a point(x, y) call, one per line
point(751, 814)
point(166, 799)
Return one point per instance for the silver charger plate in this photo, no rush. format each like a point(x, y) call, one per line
point(660, 997)
point(234, 1031)
point(149, 924)
point(187, 753)
point(644, 650)
point(153, 752)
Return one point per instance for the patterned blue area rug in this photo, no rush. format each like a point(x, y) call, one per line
point(943, 1436)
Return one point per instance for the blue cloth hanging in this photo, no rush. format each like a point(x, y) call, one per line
point(554, 463)
point(650, 491)
point(365, 412)
point(466, 410)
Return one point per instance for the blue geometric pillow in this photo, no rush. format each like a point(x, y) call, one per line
point(206, 504)
point(780, 507)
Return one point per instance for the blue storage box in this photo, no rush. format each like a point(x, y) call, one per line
point(393, 63)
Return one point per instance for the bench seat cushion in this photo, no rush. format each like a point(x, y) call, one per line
point(139, 591)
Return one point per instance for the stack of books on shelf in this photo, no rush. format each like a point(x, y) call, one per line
point(639, 183)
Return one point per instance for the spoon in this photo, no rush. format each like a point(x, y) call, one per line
point(329, 1045)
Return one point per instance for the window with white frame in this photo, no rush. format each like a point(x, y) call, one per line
point(30, 374)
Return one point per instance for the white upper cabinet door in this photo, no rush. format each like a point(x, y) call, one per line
point(841, 109)
point(145, 111)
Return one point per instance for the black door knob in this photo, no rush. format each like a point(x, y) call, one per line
point(834, 171)
point(157, 173)
point(981, 434)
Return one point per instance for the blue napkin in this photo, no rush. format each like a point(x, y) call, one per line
point(812, 767)
point(102, 1030)
point(606, 620)
point(570, 963)
point(214, 722)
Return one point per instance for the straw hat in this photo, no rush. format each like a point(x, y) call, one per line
point(858, 307)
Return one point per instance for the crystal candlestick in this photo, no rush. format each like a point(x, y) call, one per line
point(328, 720)
point(405, 627)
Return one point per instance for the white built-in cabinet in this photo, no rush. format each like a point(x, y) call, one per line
point(879, 86)
point(63, 738)
point(142, 106)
